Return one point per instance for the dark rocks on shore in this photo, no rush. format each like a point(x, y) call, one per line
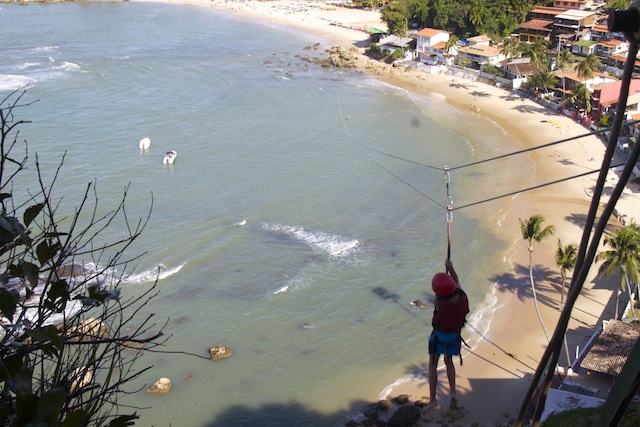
point(402, 399)
point(405, 416)
point(72, 270)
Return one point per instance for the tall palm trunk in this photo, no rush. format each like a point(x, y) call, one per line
point(533, 291)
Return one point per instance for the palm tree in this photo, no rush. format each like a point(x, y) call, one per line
point(509, 48)
point(562, 60)
point(547, 79)
point(537, 51)
point(464, 62)
point(478, 12)
point(451, 43)
point(580, 95)
point(565, 260)
point(623, 257)
point(588, 66)
point(533, 231)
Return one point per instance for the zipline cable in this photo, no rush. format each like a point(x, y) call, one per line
point(353, 141)
point(449, 206)
point(535, 187)
point(526, 150)
point(502, 156)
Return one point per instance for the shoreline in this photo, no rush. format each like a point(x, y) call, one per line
point(506, 356)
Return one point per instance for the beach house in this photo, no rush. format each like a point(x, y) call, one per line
point(480, 53)
point(431, 46)
point(607, 97)
point(574, 24)
point(534, 30)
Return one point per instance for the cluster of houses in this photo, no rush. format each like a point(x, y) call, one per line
point(579, 26)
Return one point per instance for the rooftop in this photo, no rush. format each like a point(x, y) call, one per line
point(610, 350)
point(537, 24)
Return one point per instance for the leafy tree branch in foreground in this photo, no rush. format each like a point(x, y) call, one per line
point(70, 343)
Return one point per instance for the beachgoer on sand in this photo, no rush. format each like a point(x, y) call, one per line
point(449, 316)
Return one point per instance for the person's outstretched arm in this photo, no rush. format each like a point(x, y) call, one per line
point(452, 272)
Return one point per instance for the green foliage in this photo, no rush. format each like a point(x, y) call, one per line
point(395, 15)
point(62, 370)
point(493, 70)
point(622, 258)
point(464, 62)
point(588, 417)
point(604, 121)
point(588, 67)
point(495, 18)
point(617, 4)
point(580, 417)
point(397, 54)
point(581, 97)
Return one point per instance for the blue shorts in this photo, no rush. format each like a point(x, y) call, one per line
point(441, 343)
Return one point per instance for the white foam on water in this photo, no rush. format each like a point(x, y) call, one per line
point(281, 290)
point(297, 282)
point(28, 65)
point(161, 272)
point(44, 48)
point(11, 82)
point(332, 244)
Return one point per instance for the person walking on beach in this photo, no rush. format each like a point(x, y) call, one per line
point(449, 316)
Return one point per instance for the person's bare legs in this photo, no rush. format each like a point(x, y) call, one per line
point(433, 379)
point(451, 375)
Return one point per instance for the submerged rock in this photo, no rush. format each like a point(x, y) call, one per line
point(81, 378)
point(220, 352)
point(162, 386)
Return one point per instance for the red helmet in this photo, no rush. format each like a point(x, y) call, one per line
point(443, 284)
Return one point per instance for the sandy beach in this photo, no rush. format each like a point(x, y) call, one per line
point(496, 373)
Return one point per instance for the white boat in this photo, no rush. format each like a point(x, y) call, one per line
point(144, 143)
point(169, 157)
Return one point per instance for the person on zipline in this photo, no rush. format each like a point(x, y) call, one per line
point(449, 317)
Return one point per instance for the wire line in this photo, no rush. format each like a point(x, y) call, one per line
point(535, 187)
point(526, 150)
point(382, 167)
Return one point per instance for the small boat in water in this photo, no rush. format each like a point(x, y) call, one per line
point(144, 143)
point(169, 157)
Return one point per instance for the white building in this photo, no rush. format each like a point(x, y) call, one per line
point(431, 46)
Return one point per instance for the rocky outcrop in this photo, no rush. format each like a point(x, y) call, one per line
point(419, 303)
point(405, 416)
point(72, 270)
point(80, 378)
point(162, 386)
point(343, 57)
point(88, 329)
point(220, 352)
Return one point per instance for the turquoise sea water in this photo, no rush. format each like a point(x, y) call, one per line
point(279, 231)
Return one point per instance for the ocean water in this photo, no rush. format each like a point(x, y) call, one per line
point(290, 227)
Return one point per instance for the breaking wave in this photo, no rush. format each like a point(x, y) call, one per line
point(160, 272)
point(331, 244)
